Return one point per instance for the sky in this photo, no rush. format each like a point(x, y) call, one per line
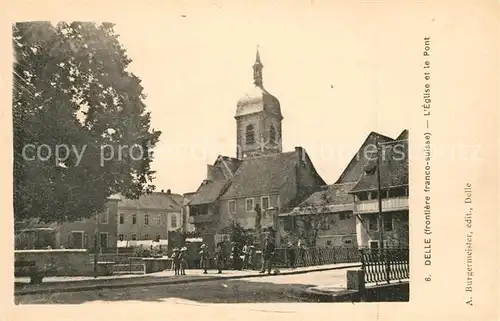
point(338, 72)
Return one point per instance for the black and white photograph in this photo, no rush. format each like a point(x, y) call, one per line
point(213, 155)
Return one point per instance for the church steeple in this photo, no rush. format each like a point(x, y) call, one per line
point(257, 70)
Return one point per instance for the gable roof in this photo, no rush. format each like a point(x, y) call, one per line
point(208, 192)
point(354, 169)
point(334, 198)
point(155, 200)
point(218, 176)
point(393, 168)
point(260, 175)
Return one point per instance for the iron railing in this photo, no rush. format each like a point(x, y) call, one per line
point(385, 265)
point(316, 256)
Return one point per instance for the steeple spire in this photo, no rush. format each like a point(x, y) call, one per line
point(257, 70)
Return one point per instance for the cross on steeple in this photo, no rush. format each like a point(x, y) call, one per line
point(257, 70)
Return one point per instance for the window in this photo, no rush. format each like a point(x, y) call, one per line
point(104, 216)
point(122, 218)
point(77, 240)
point(250, 135)
point(146, 236)
point(173, 221)
point(272, 134)
point(146, 219)
point(373, 223)
point(328, 243)
point(347, 242)
point(249, 205)
point(232, 207)
point(388, 225)
point(134, 237)
point(104, 240)
point(373, 244)
point(134, 218)
point(120, 237)
point(342, 216)
point(264, 200)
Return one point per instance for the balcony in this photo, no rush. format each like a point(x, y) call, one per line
point(205, 218)
point(388, 205)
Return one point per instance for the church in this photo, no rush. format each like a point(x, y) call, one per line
point(261, 178)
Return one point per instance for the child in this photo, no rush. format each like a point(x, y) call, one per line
point(182, 260)
point(176, 260)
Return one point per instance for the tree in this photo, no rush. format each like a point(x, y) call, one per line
point(81, 129)
point(237, 233)
point(313, 218)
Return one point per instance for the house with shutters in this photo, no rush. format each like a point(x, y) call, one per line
point(260, 176)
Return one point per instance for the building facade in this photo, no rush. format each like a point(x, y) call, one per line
point(150, 217)
point(82, 234)
point(261, 175)
point(393, 167)
point(323, 219)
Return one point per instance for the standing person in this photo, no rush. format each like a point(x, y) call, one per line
point(219, 257)
point(236, 256)
point(183, 261)
point(251, 256)
point(291, 255)
point(176, 261)
point(300, 249)
point(267, 256)
point(204, 258)
point(246, 249)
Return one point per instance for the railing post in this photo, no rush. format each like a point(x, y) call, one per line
point(388, 266)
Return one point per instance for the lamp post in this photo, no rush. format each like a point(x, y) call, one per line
point(380, 218)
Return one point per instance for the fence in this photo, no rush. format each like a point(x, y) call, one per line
point(385, 265)
point(316, 256)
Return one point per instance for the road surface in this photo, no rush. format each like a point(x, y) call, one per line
point(274, 288)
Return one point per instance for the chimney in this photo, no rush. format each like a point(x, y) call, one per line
point(210, 173)
point(300, 154)
point(169, 192)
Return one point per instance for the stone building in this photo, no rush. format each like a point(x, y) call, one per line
point(150, 217)
point(260, 175)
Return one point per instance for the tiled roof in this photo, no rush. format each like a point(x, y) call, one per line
point(155, 200)
point(393, 168)
point(208, 192)
point(354, 169)
point(262, 175)
point(335, 198)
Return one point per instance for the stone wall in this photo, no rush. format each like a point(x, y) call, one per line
point(58, 262)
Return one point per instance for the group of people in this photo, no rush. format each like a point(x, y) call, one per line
point(223, 254)
point(179, 261)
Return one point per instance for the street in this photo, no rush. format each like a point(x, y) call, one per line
point(274, 288)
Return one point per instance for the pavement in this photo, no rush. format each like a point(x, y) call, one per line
point(250, 289)
point(76, 284)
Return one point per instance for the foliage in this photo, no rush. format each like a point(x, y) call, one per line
point(238, 234)
point(311, 223)
point(72, 88)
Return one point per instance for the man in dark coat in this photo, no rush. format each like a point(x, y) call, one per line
point(267, 256)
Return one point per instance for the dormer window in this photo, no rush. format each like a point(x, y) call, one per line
point(250, 135)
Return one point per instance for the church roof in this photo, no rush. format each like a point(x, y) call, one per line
point(256, 100)
point(393, 168)
point(261, 175)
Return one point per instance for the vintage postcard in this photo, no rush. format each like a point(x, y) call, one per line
point(230, 160)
